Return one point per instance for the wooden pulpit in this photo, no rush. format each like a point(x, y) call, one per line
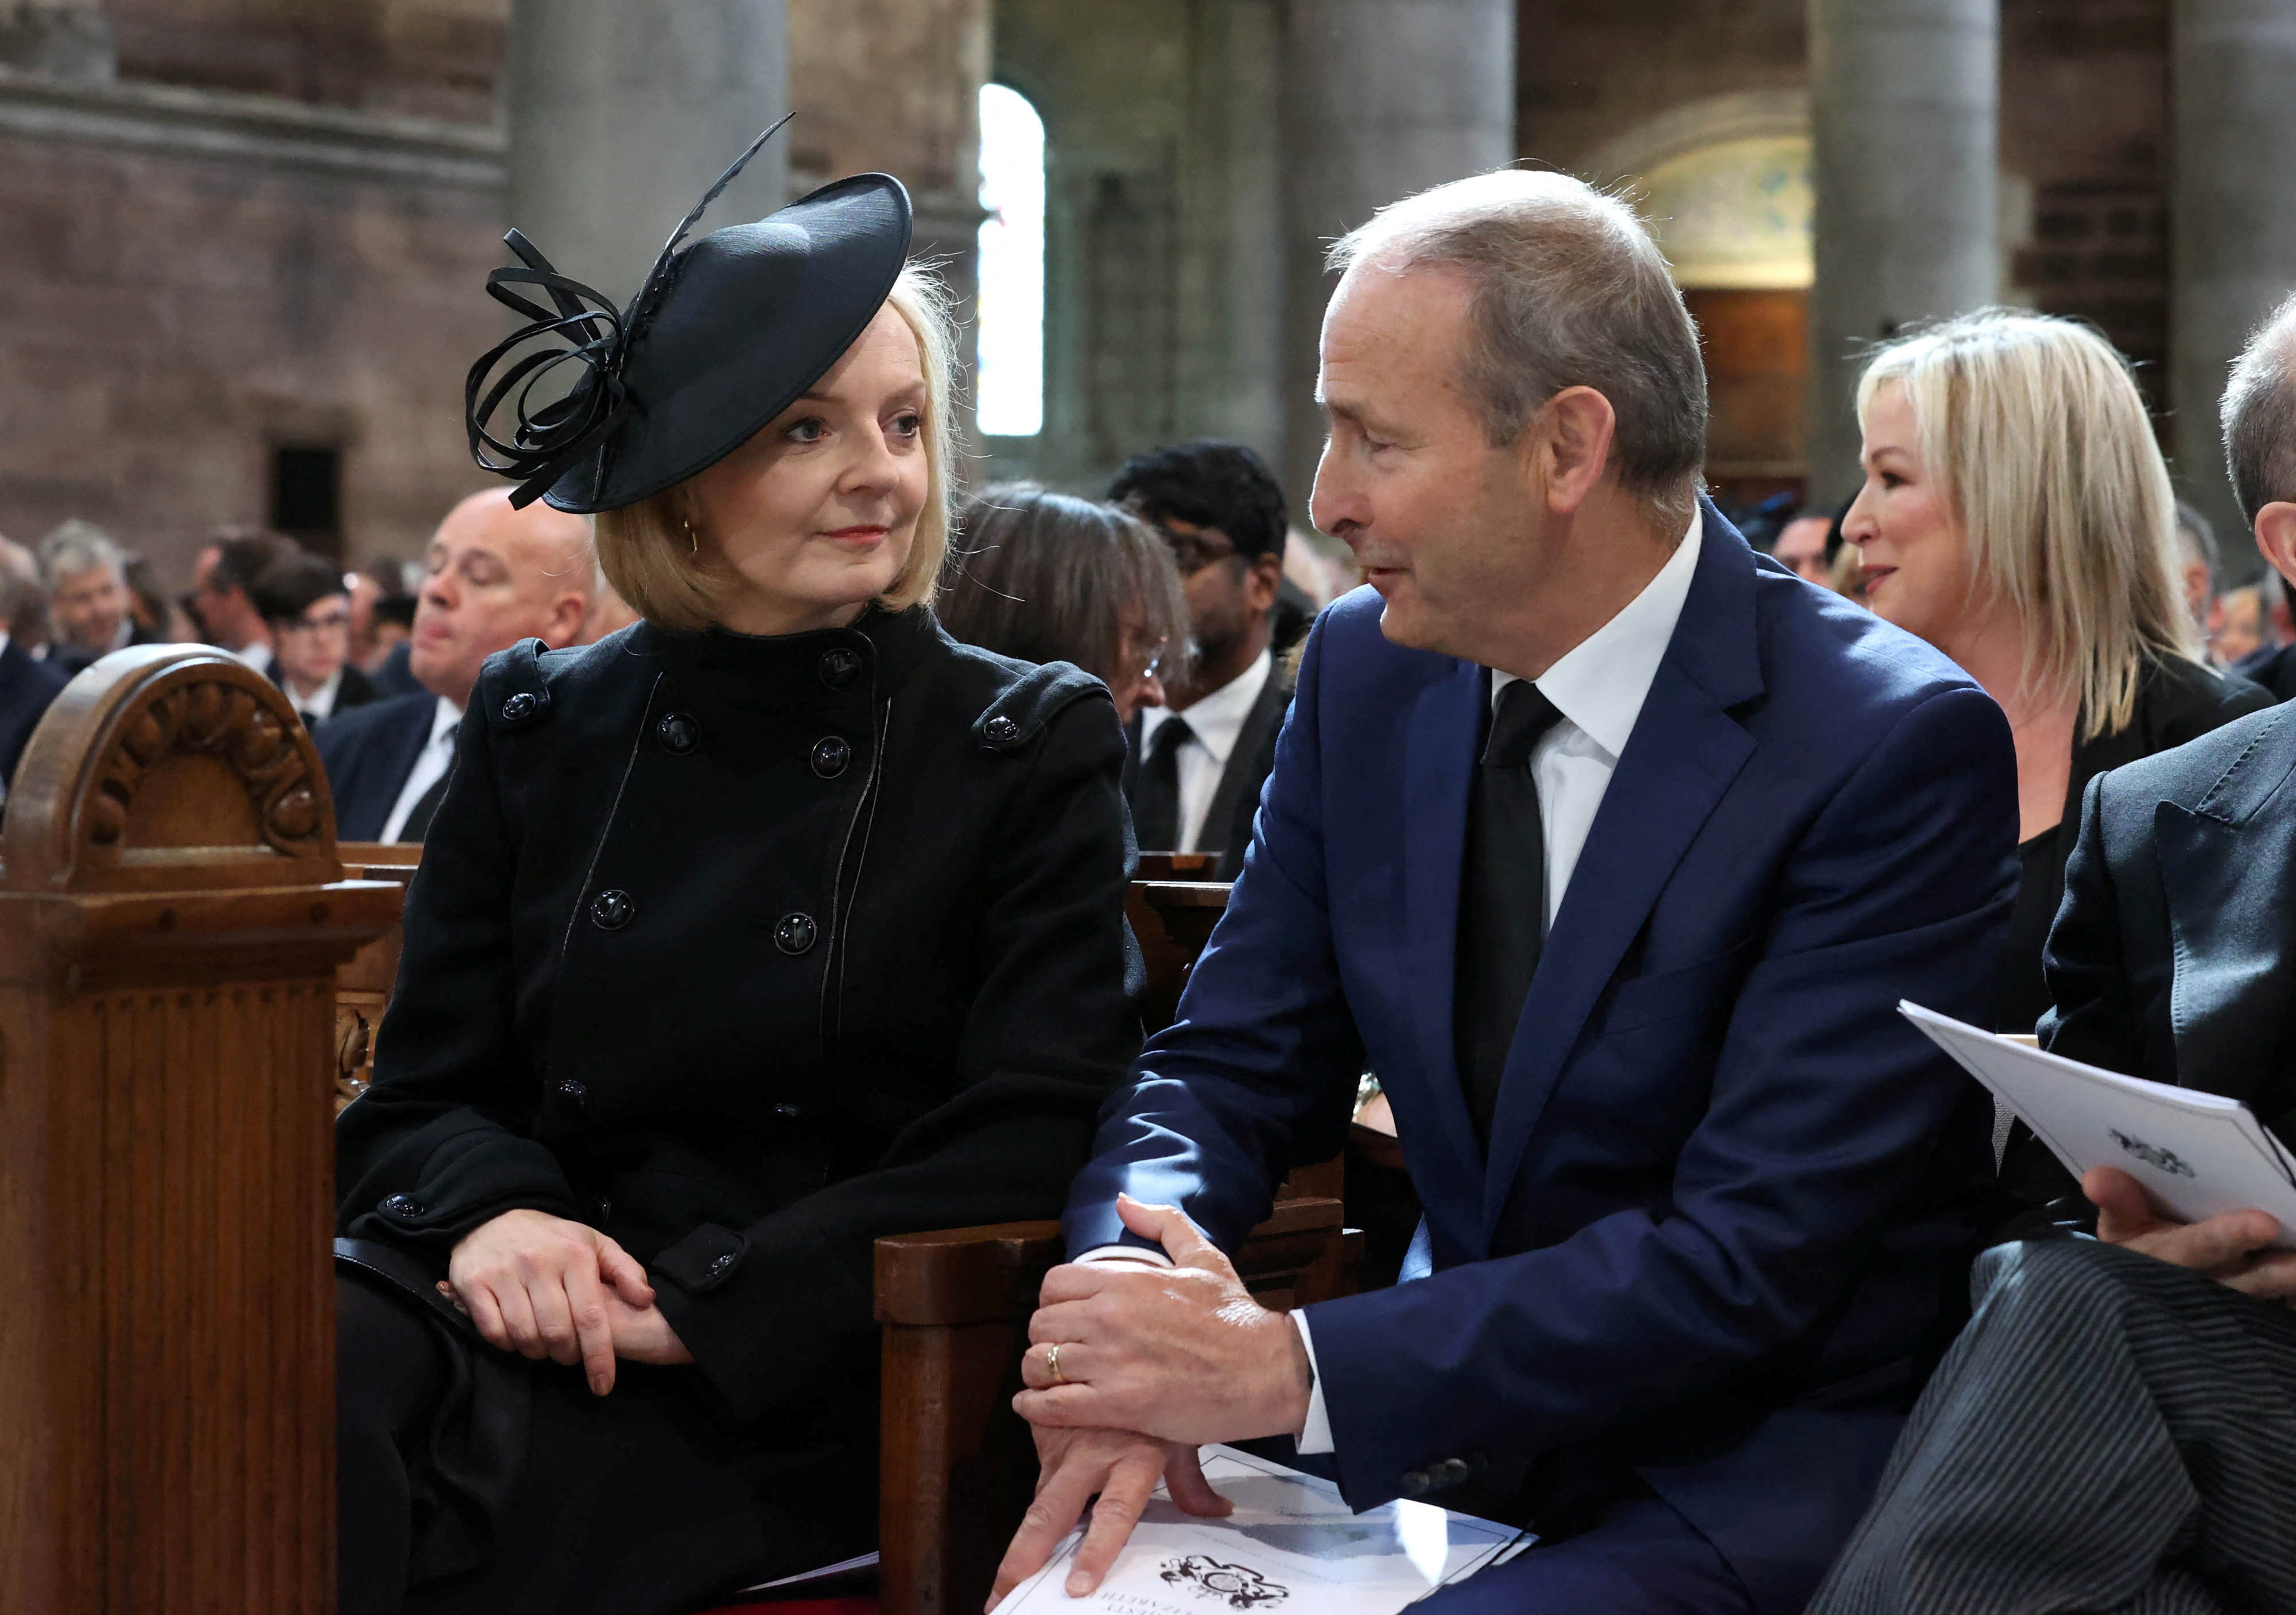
point(172, 915)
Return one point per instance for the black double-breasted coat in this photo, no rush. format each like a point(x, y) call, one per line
point(747, 952)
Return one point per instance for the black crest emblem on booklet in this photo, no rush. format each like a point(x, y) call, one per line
point(1238, 1585)
point(2151, 1155)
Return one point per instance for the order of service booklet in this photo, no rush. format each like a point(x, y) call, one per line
point(2196, 1155)
point(1292, 1548)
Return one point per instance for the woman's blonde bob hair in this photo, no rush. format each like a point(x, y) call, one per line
point(644, 550)
point(2035, 433)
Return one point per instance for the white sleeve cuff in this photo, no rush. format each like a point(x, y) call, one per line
point(1316, 1435)
point(1126, 1253)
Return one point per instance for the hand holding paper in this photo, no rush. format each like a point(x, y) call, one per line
point(2230, 1247)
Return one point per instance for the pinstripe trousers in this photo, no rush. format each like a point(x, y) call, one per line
point(2109, 1434)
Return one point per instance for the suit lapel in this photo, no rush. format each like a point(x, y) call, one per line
point(1685, 752)
point(2223, 870)
point(1446, 724)
point(405, 748)
point(1245, 764)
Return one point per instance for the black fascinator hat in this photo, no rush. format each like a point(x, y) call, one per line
point(721, 337)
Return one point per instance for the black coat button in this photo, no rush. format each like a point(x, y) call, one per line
point(678, 733)
point(402, 1206)
point(574, 1096)
point(520, 705)
point(724, 1264)
point(612, 909)
point(786, 1111)
point(831, 756)
point(1414, 1483)
point(1448, 1472)
point(795, 934)
point(1000, 728)
point(840, 668)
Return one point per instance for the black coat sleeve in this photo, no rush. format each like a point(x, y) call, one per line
point(436, 1145)
point(768, 1310)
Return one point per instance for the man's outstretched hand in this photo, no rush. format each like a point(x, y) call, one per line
point(1180, 1353)
point(2232, 1247)
point(1123, 1469)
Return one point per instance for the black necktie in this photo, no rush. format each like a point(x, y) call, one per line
point(418, 817)
point(1156, 799)
point(1502, 899)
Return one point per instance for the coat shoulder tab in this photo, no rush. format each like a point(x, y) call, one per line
point(1017, 715)
point(513, 690)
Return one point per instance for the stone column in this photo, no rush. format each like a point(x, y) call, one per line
point(2232, 255)
point(1382, 98)
point(623, 111)
point(1905, 98)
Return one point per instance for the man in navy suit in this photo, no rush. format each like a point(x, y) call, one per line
point(496, 576)
point(1611, 848)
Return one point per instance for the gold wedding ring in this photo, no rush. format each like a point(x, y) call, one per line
point(1053, 1363)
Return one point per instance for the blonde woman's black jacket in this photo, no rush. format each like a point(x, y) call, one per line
point(746, 952)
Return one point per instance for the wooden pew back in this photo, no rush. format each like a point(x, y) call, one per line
point(172, 912)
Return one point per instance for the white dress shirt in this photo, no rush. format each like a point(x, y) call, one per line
point(1598, 687)
point(1215, 722)
point(321, 702)
point(436, 755)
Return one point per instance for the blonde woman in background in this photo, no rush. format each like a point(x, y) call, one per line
point(2017, 514)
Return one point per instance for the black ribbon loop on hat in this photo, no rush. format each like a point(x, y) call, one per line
point(548, 439)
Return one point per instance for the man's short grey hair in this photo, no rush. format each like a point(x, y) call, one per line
point(76, 548)
point(2259, 415)
point(1569, 291)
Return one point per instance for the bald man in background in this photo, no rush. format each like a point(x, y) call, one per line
point(494, 576)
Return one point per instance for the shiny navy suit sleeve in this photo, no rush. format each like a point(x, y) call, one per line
point(1820, 1122)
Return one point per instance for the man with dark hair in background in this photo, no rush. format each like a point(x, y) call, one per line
point(221, 576)
point(305, 605)
point(1198, 762)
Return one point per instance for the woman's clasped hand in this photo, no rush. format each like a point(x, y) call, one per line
point(544, 1287)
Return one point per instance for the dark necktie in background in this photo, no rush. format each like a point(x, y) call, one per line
point(1502, 899)
point(1156, 801)
point(418, 818)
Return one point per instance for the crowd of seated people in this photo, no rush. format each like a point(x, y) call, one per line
point(778, 802)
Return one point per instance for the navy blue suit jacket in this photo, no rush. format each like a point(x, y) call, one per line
point(26, 685)
point(368, 752)
point(1730, 1197)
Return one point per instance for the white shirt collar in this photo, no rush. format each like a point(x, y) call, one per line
point(1217, 720)
point(1601, 682)
point(443, 722)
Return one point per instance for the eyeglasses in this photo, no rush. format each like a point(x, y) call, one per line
point(329, 623)
point(1196, 551)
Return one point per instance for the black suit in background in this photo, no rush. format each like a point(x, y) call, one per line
point(2111, 1433)
point(1227, 820)
point(26, 685)
point(2176, 701)
point(368, 752)
point(745, 952)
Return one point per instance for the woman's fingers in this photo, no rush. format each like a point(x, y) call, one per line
point(593, 1332)
point(479, 1302)
point(518, 1319)
point(617, 1268)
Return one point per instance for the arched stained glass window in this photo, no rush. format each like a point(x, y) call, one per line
point(1010, 389)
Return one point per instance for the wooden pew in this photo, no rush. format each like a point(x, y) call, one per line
point(172, 913)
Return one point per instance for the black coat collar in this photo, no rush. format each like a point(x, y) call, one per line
point(792, 673)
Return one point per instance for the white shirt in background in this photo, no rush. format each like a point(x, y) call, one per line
point(1215, 722)
point(437, 755)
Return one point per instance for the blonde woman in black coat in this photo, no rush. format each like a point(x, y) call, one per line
point(773, 923)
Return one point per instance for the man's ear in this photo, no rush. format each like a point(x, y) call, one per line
point(567, 614)
point(1570, 439)
point(2275, 538)
point(1261, 579)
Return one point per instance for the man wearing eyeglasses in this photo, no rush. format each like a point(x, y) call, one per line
point(307, 607)
point(1197, 761)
